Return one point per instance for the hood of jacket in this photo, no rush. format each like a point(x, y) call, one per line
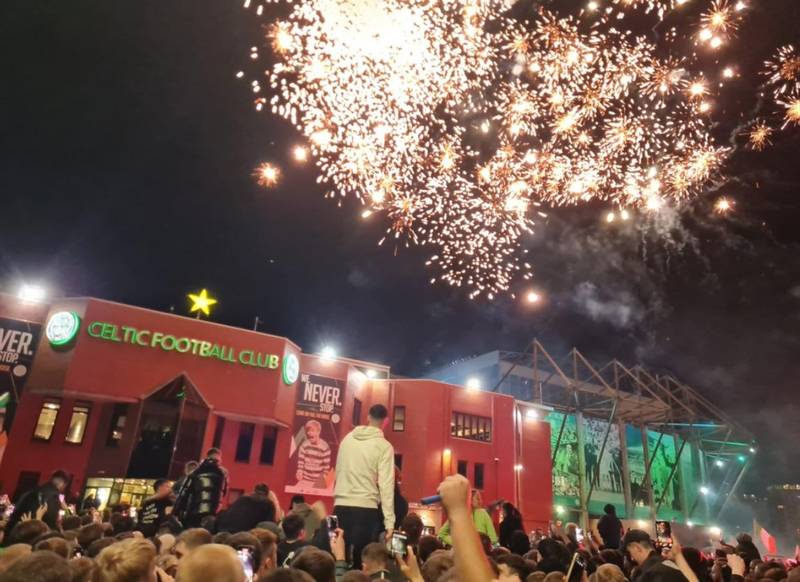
point(366, 433)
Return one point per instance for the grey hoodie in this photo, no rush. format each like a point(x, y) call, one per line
point(365, 472)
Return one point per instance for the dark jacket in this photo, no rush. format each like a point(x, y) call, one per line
point(610, 528)
point(507, 528)
point(30, 502)
point(657, 569)
point(201, 492)
point(245, 513)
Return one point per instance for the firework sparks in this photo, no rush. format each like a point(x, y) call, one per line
point(723, 205)
point(267, 175)
point(459, 158)
point(758, 137)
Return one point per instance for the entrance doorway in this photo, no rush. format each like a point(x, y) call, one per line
point(171, 428)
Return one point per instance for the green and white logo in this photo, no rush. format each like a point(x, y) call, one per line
point(291, 369)
point(62, 327)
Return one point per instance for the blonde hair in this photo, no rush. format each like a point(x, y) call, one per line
point(130, 560)
point(609, 573)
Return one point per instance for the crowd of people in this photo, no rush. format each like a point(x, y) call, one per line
point(179, 533)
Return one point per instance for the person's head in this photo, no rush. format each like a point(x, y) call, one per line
point(269, 548)
point(509, 511)
point(537, 576)
point(89, 533)
point(555, 577)
point(316, 563)
point(189, 467)
point(261, 489)
point(190, 540)
point(354, 576)
point(215, 454)
point(71, 522)
point(247, 542)
point(285, 575)
point(131, 560)
point(13, 553)
point(293, 527)
point(412, 526)
point(519, 544)
point(613, 557)
point(81, 569)
point(477, 499)
point(98, 546)
point(296, 501)
point(57, 545)
point(162, 487)
point(375, 558)
point(436, 565)
point(610, 573)
point(511, 564)
point(221, 537)
point(313, 430)
point(59, 479)
point(428, 545)
point(121, 523)
point(571, 529)
point(166, 542)
point(41, 566)
point(209, 522)
point(638, 545)
point(377, 415)
point(609, 509)
point(211, 562)
point(27, 531)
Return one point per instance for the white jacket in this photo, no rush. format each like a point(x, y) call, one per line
point(365, 472)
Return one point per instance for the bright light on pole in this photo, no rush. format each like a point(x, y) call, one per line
point(328, 353)
point(473, 384)
point(31, 293)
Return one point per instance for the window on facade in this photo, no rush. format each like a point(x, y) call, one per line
point(118, 419)
point(399, 422)
point(77, 423)
point(245, 443)
point(47, 420)
point(462, 468)
point(478, 481)
point(398, 461)
point(469, 426)
point(268, 445)
point(356, 412)
point(218, 431)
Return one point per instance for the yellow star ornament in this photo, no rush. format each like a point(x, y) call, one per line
point(201, 302)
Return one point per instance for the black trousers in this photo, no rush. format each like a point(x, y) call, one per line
point(361, 527)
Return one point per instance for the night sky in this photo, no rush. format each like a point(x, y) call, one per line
point(126, 152)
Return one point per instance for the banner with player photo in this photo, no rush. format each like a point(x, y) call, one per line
point(315, 436)
point(18, 341)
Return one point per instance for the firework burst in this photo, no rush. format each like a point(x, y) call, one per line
point(458, 123)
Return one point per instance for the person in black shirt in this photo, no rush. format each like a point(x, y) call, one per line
point(154, 509)
point(610, 528)
point(294, 530)
point(247, 511)
point(47, 496)
point(202, 491)
point(512, 521)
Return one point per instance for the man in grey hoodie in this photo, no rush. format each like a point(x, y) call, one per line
point(364, 481)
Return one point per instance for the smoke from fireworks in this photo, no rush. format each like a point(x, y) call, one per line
point(459, 123)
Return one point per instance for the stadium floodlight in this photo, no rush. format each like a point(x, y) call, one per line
point(31, 293)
